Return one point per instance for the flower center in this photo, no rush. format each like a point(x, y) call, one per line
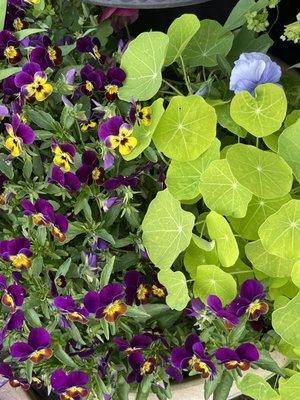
point(159, 292)
point(77, 317)
point(40, 355)
point(8, 301)
point(52, 53)
point(256, 309)
point(142, 292)
point(114, 310)
point(20, 261)
point(37, 219)
point(89, 86)
point(56, 232)
point(96, 174)
point(18, 24)
point(111, 89)
point(147, 368)
point(197, 365)
point(10, 52)
point(96, 52)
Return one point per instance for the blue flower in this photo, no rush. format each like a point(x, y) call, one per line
point(253, 69)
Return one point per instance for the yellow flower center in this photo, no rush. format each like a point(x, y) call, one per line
point(62, 159)
point(89, 86)
point(20, 261)
point(144, 115)
point(111, 89)
point(10, 52)
point(197, 365)
point(51, 53)
point(37, 219)
point(58, 234)
point(8, 301)
point(33, 1)
point(14, 145)
point(96, 52)
point(40, 355)
point(39, 89)
point(142, 292)
point(96, 174)
point(18, 24)
point(159, 292)
point(147, 368)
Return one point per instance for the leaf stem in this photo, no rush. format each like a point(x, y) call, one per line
point(173, 87)
point(186, 79)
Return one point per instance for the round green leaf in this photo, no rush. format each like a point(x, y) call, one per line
point(184, 178)
point(175, 283)
point(167, 229)
point(257, 388)
point(220, 231)
point(289, 147)
point(273, 266)
point(296, 274)
point(143, 133)
point(258, 211)
point(207, 44)
point(142, 62)
point(180, 33)
point(290, 390)
point(186, 129)
point(280, 233)
point(222, 192)
point(211, 279)
point(263, 114)
point(264, 173)
point(286, 321)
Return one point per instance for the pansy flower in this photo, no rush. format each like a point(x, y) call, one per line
point(250, 300)
point(8, 86)
point(90, 170)
point(19, 134)
point(15, 18)
point(60, 227)
point(138, 342)
point(114, 80)
point(241, 357)
point(70, 309)
point(63, 155)
point(46, 54)
point(9, 47)
point(136, 289)
point(157, 289)
point(215, 305)
point(13, 296)
point(56, 282)
point(195, 308)
point(36, 349)
point(4, 112)
point(108, 303)
point(17, 251)
point(88, 125)
point(192, 356)
point(14, 323)
point(141, 366)
point(42, 211)
point(33, 82)
point(67, 180)
point(92, 80)
point(92, 45)
point(140, 114)
point(14, 381)
point(70, 386)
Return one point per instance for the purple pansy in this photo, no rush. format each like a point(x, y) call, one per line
point(136, 290)
point(15, 19)
point(19, 134)
point(42, 211)
point(60, 227)
point(72, 311)
point(216, 306)
point(90, 171)
point(110, 127)
point(92, 45)
point(241, 357)
point(59, 281)
point(15, 322)
point(92, 80)
point(13, 296)
point(141, 366)
point(46, 54)
point(195, 308)
point(108, 303)
point(114, 80)
point(70, 385)
point(250, 300)
point(138, 342)
point(37, 348)
point(9, 47)
point(8, 86)
point(251, 70)
point(17, 251)
point(192, 356)
point(14, 381)
point(67, 180)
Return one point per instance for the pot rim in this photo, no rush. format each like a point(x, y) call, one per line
point(157, 4)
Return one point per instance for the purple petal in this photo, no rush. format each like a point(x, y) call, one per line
point(6, 370)
point(234, 320)
point(252, 290)
point(134, 376)
point(122, 344)
point(110, 127)
point(108, 161)
point(16, 321)
point(90, 158)
point(18, 293)
point(39, 338)
point(31, 68)
point(180, 357)
point(110, 293)
point(22, 79)
point(136, 360)
point(174, 373)
point(199, 350)
point(3, 283)
point(84, 174)
point(141, 341)
point(248, 352)
point(59, 381)
point(21, 350)
point(72, 183)
point(190, 341)
point(239, 306)
point(62, 223)
point(14, 246)
point(28, 207)
point(66, 303)
point(68, 148)
point(214, 303)
point(225, 354)
point(116, 76)
point(57, 176)
point(78, 378)
point(92, 301)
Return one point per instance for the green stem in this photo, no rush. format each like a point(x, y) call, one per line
point(186, 79)
point(172, 87)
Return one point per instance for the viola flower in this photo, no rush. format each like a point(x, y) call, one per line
point(90, 171)
point(13, 296)
point(92, 45)
point(119, 17)
point(60, 227)
point(14, 381)
point(116, 133)
point(192, 356)
point(110, 202)
point(63, 155)
point(33, 82)
point(37, 348)
point(70, 309)
point(241, 357)
point(19, 134)
point(251, 70)
point(4, 112)
point(70, 386)
point(88, 125)
point(46, 54)
point(140, 114)
point(141, 366)
point(114, 183)
point(135, 288)
point(17, 251)
point(114, 80)
point(67, 180)
point(138, 342)
point(8, 86)
point(250, 301)
point(60, 282)
point(15, 322)
point(215, 305)
point(92, 80)
point(108, 303)
point(42, 211)
point(9, 47)
point(194, 309)
point(15, 19)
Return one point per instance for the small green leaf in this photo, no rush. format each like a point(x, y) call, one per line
point(32, 318)
point(5, 73)
point(3, 6)
point(62, 356)
point(175, 283)
point(6, 166)
point(64, 268)
point(27, 32)
point(106, 272)
point(37, 266)
point(43, 119)
point(222, 390)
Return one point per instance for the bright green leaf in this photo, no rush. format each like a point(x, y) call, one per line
point(3, 6)
point(289, 147)
point(290, 390)
point(6, 167)
point(257, 387)
point(6, 72)
point(27, 32)
point(225, 120)
point(296, 274)
point(175, 283)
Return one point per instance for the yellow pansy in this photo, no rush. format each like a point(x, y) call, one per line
point(13, 143)
point(39, 88)
point(143, 115)
point(124, 141)
point(62, 159)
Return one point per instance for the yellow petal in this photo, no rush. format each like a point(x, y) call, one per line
point(124, 132)
point(127, 147)
point(114, 141)
point(13, 144)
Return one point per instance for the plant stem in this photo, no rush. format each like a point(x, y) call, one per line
point(186, 79)
point(173, 87)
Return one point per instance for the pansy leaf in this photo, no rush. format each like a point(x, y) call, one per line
point(27, 32)
point(264, 173)
point(289, 147)
point(184, 178)
point(167, 229)
point(286, 321)
point(280, 233)
point(290, 389)
point(180, 33)
point(142, 62)
point(207, 44)
point(222, 192)
point(186, 129)
point(6, 72)
point(6, 167)
point(143, 133)
point(175, 283)
point(106, 272)
point(220, 231)
point(257, 388)
point(260, 115)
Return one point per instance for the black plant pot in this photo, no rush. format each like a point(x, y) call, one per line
point(145, 3)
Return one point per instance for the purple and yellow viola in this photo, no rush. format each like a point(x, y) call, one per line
point(9, 47)
point(19, 135)
point(17, 252)
point(91, 45)
point(141, 366)
point(137, 343)
point(140, 114)
point(7, 372)
point(114, 80)
point(90, 170)
point(69, 308)
point(63, 155)
point(216, 306)
point(42, 211)
point(241, 357)
point(93, 80)
point(137, 291)
point(70, 386)
point(13, 296)
point(46, 54)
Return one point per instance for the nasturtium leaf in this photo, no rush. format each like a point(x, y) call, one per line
point(222, 192)
point(167, 229)
point(211, 279)
point(186, 129)
point(264, 173)
point(180, 33)
point(289, 147)
point(292, 118)
point(286, 321)
point(175, 283)
point(290, 390)
point(225, 120)
point(296, 274)
point(262, 114)
point(207, 44)
point(257, 388)
point(280, 233)
point(142, 62)
point(3, 7)
point(273, 266)
point(258, 211)
point(240, 271)
point(184, 178)
point(220, 231)
point(143, 133)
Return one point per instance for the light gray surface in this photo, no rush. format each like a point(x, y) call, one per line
point(145, 3)
point(9, 393)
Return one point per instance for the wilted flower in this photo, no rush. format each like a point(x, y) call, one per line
point(90, 171)
point(14, 381)
point(46, 54)
point(13, 296)
point(19, 134)
point(114, 79)
point(17, 251)
point(9, 47)
point(141, 366)
point(92, 80)
point(241, 357)
point(63, 155)
point(136, 289)
point(70, 309)
point(70, 386)
point(67, 180)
